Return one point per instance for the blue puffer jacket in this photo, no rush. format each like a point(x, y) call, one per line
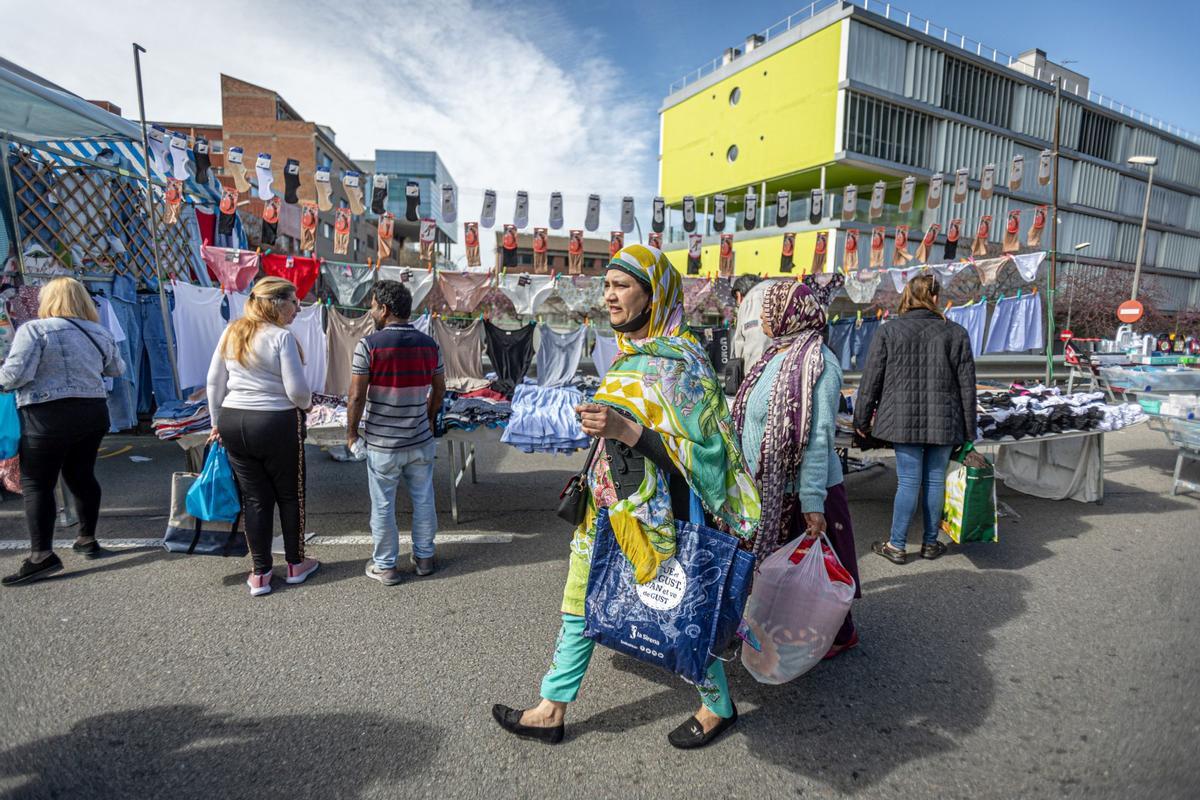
point(52, 359)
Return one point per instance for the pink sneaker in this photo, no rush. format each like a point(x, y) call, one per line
point(298, 573)
point(260, 584)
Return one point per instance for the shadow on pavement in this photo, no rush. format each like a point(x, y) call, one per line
point(187, 752)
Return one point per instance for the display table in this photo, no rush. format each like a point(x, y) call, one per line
point(334, 435)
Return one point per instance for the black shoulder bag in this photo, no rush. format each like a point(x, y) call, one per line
point(572, 500)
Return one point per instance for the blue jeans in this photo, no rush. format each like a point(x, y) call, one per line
point(920, 473)
point(384, 470)
point(122, 400)
point(155, 380)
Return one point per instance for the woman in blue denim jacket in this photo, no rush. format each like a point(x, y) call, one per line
point(57, 367)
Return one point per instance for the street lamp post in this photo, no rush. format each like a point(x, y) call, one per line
point(1071, 291)
point(1146, 161)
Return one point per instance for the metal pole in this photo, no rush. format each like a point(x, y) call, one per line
point(1137, 267)
point(12, 205)
point(1052, 275)
point(162, 295)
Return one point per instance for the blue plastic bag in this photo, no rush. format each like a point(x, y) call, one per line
point(214, 496)
point(10, 425)
point(683, 618)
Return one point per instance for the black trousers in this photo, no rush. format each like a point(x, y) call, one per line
point(266, 451)
point(61, 437)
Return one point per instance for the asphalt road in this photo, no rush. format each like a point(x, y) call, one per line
point(1061, 662)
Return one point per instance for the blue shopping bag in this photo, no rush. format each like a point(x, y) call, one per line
point(683, 618)
point(10, 425)
point(214, 495)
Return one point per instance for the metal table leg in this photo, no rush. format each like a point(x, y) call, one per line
point(453, 482)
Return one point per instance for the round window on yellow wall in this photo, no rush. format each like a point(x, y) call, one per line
point(734, 96)
point(731, 154)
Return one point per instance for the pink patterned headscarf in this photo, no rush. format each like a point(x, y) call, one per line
point(796, 321)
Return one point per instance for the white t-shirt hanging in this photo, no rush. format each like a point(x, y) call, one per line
point(198, 325)
point(310, 333)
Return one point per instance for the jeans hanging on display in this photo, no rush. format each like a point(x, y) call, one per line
point(155, 383)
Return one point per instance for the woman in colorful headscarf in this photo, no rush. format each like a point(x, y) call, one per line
point(666, 433)
point(785, 413)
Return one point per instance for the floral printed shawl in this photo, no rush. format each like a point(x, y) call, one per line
point(667, 384)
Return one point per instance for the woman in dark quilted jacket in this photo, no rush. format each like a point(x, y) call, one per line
point(918, 392)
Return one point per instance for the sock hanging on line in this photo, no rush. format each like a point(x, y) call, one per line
point(449, 202)
point(291, 181)
point(324, 188)
point(487, 217)
point(379, 187)
point(157, 136)
point(354, 192)
point(816, 206)
point(228, 211)
point(592, 220)
point(179, 157)
point(270, 221)
point(203, 163)
point(689, 213)
point(412, 199)
point(718, 221)
point(236, 168)
point(556, 210)
point(262, 169)
point(626, 214)
point(658, 215)
point(783, 208)
point(521, 210)
point(750, 211)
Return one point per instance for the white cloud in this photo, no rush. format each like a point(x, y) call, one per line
point(510, 98)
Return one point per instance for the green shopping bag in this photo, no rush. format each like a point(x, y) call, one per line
point(969, 511)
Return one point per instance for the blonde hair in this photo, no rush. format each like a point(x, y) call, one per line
point(921, 292)
point(66, 297)
point(263, 307)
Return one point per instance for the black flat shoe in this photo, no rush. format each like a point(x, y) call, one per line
point(690, 735)
point(30, 572)
point(510, 720)
point(932, 551)
point(892, 554)
point(90, 549)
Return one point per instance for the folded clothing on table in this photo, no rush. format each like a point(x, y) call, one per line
point(174, 418)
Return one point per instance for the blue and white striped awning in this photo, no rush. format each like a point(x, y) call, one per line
point(130, 162)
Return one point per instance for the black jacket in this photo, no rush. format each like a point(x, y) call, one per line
point(919, 382)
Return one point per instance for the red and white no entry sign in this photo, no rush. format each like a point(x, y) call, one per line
point(1130, 311)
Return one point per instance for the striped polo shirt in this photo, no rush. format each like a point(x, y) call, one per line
point(401, 362)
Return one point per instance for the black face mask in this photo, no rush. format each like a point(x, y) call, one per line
point(635, 324)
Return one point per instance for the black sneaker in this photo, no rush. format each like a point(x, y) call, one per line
point(30, 572)
point(90, 549)
point(424, 566)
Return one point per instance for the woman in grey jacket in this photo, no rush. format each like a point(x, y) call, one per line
point(57, 366)
point(918, 392)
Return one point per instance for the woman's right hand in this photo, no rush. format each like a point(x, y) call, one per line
point(214, 436)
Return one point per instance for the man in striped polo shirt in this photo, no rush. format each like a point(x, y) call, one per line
point(397, 375)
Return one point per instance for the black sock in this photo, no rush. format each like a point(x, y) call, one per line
point(228, 212)
point(225, 223)
point(291, 182)
point(693, 267)
point(951, 251)
point(816, 206)
point(750, 212)
point(658, 218)
point(412, 199)
point(269, 230)
point(689, 213)
point(783, 203)
point(718, 212)
point(379, 186)
point(200, 151)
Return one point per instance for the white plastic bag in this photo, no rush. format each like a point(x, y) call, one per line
point(794, 612)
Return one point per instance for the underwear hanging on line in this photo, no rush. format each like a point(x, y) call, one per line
point(1029, 264)
point(581, 293)
point(232, 269)
point(464, 291)
point(947, 271)
point(527, 292)
point(988, 269)
point(351, 283)
point(901, 277)
point(417, 281)
point(824, 290)
point(862, 284)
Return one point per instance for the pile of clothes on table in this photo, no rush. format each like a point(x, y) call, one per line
point(327, 410)
point(467, 411)
point(544, 419)
point(174, 418)
point(1023, 411)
